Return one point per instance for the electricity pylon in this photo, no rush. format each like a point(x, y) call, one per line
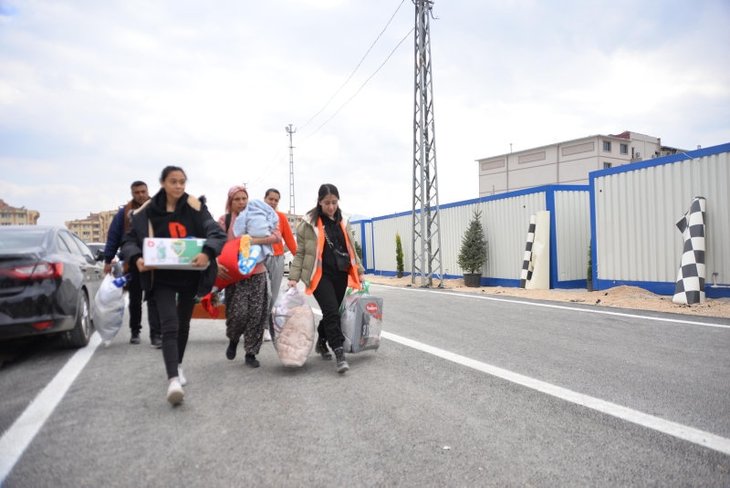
point(291, 131)
point(426, 250)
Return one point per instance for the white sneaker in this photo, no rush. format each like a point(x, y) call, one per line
point(175, 392)
point(181, 376)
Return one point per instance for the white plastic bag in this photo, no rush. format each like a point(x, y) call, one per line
point(109, 308)
point(293, 328)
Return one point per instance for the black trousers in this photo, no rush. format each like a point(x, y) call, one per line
point(135, 309)
point(175, 308)
point(329, 294)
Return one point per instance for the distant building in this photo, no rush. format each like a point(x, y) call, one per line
point(17, 216)
point(566, 162)
point(293, 221)
point(93, 228)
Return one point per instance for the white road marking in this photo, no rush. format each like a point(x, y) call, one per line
point(561, 307)
point(17, 438)
point(696, 436)
point(674, 429)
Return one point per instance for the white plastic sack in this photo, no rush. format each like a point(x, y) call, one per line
point(293, 328)
point(361, 320)
point(109, 309)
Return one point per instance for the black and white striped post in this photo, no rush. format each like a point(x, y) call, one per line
point(527, 267)
point(690, 286)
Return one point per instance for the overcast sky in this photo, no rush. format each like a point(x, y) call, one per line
point(95, 94)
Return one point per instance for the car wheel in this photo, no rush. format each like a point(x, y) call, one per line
point(80, 334)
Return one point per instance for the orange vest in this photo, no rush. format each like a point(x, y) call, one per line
point(353, 278)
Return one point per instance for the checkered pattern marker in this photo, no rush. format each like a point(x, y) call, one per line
point(690, 286)
point(527, 266)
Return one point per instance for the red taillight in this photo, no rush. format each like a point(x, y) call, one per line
point(57, 270)
point(46, 324)
point(37, 271)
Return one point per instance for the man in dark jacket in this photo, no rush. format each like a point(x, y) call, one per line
point(120, 225)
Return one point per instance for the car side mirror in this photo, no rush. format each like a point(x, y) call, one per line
point(100, 255)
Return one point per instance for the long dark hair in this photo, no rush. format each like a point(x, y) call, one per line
point(316, 212)
point(169, 169)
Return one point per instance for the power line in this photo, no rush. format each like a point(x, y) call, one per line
point(363, 84)
point(349, 78)
point(352, 73)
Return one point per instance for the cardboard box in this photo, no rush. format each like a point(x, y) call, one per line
point(166, 253)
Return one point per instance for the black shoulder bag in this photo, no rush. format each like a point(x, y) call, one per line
point(342, 259)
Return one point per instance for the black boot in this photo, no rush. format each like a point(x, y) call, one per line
point(321, 348)
point(231, 351)
point(342, 365)
point(252, 361)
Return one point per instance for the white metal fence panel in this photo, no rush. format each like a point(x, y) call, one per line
point(506, 222)
point(384, 232)
point(454, 222)
point(357, 231)
point(636, 211)
point(367, 242)
point(572, 234)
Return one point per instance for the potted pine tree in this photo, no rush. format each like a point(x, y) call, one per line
point(473, 252)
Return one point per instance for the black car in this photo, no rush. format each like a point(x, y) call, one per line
point(48, 281)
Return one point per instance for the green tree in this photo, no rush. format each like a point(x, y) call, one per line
point(358, 249)
point(398, 255)
point(473, 252)
point(589, 270)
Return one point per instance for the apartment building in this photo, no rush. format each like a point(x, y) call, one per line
point(567, 162)
point(93, 228)
point(17, 216)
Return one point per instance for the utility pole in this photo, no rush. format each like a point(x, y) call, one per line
point(426, 243)
point(291, 131)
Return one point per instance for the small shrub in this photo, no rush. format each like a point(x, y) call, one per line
point(399, 256)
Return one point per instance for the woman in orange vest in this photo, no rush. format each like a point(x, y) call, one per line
point(275, 263)
point(327, 264)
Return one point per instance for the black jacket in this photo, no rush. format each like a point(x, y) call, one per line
point(189, 219)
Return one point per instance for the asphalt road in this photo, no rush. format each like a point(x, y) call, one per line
point(464, 391)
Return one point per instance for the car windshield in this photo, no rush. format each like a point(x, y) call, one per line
point(21, 238)
point(95, 246)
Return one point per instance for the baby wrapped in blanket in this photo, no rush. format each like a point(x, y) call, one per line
point(258, 219)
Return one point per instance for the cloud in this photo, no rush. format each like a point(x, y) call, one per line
point(94, 94)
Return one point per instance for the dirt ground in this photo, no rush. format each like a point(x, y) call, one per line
point(629, 297)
